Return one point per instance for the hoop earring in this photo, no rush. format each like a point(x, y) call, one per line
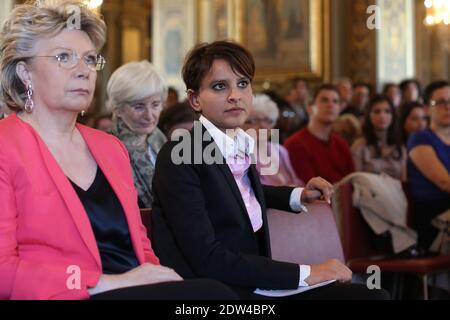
point(29, 104)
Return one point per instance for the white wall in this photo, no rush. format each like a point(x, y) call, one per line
point(395, 41)
point(5, 8)
point(174, 34)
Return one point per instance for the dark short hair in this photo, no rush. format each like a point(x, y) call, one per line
point(172, 90)
point(405, 111)
point(432, 87)
point(404, 84)
point(201, 58)
point(387, 86)
point(296, 80)
point(280, 102)
point(363, 84)
point(178, 113)
point(325, 86)
point(100, 117)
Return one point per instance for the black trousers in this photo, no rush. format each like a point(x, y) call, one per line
point(201, 289)
point(333, 291)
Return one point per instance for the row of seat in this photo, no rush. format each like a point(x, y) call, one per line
point(313, 237)
point(361, 251)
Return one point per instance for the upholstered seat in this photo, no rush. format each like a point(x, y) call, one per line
point(306, 238)
point(361, 251)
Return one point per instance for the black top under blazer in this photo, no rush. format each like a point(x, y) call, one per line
point(201, 228)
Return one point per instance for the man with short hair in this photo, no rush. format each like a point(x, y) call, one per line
point(345, 89)
point(360, 99)
point(316, 150)
point(298, 100)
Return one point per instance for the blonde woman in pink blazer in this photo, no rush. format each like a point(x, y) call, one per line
point(70, 226)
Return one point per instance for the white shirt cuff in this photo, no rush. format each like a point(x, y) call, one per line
point(305, 271)
point(295, 202)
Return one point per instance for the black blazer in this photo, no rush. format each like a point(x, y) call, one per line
point(201, 228)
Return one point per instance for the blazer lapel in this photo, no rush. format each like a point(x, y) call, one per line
point(121, 189)
point(229, 178)
point(256, 185)
point(71, 199)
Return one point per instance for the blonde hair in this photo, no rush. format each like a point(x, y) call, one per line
point(30, 22)
point(134, 81)
point(263, 104)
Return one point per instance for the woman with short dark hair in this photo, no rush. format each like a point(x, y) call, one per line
point(209, 214)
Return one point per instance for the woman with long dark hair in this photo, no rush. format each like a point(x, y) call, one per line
point(379, 150)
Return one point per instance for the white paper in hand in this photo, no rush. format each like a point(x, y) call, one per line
point(285, 293)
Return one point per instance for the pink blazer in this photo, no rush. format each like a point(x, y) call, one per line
point(44, 229)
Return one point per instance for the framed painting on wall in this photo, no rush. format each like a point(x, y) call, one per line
point(216, 19)
point(286, 37)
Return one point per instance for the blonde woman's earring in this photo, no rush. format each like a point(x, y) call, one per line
point(29, 103)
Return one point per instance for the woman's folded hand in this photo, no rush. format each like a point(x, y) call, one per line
point(143, 275)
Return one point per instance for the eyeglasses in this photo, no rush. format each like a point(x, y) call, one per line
point(440, 103)
point(288, 114)
point(69, 59)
